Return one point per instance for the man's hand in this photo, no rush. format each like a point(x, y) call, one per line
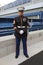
point(21, 32)
point(15, 28)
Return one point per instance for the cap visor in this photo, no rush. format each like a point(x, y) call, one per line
point(21, 10)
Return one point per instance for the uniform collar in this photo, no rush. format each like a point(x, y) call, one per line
point(20, 16)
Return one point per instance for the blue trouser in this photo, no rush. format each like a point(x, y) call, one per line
point(18, 45)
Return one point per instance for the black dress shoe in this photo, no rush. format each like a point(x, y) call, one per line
point(16, 57)
point(26, 56)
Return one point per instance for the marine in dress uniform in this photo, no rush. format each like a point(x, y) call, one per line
point(20, 26)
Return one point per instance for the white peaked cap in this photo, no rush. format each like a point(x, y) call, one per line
point(20, 9)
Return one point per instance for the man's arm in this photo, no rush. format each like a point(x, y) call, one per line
point(27, 25)
point(15, 26)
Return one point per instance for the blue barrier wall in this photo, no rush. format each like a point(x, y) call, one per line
point(6, 25)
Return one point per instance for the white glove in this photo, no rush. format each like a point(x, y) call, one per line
point(21, 32)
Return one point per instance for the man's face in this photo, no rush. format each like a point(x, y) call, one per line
point(20, 13)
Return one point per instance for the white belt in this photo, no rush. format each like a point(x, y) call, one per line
point(22, 26)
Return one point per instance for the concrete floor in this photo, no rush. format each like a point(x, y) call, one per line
point(32, 50)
